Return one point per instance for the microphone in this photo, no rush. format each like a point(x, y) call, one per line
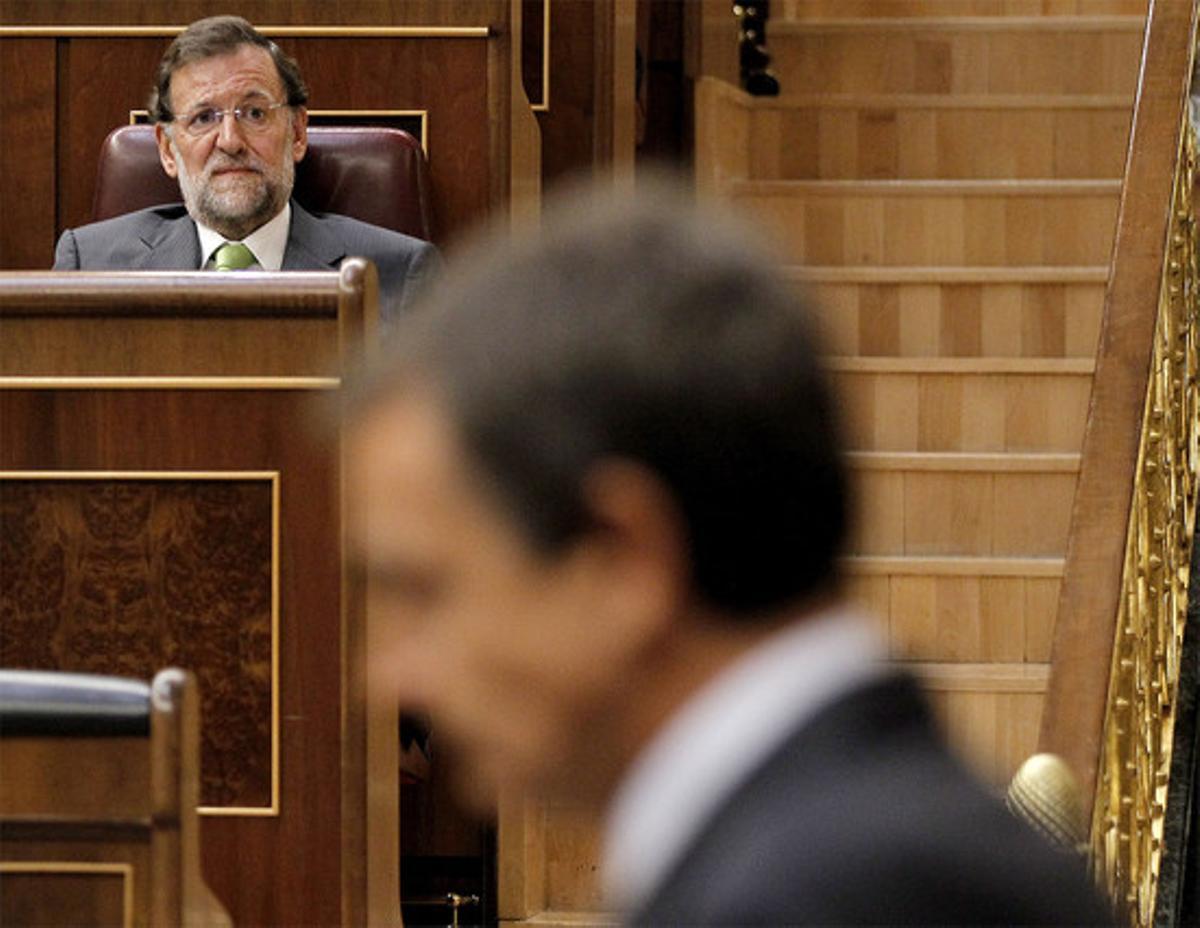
point(1045, 794)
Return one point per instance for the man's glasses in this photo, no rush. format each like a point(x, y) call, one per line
point(254, 117)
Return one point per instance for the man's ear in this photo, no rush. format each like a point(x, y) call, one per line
point(165, 155)
point(299, 133)
point(640, 534)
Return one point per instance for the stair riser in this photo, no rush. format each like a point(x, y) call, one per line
point(972, 514)
point(1070, 60)
point(864, 9)
point(971, 618)
point(994, 731)
point(948, 229)
point(881, 142)
point(959, 320)
point(977, 413)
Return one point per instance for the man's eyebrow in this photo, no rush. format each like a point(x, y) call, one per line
point(205, 103)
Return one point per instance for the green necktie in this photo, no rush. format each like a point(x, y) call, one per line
point(233, 256)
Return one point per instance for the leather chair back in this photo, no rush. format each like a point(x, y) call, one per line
point(375, 174)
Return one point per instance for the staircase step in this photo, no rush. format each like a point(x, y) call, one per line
point(953, 505)
point(917, 222)
point(954, 55)
point(964, 404)
point(965, 312)
point(888, 136)
point(837, 9)
point(960, 608)
point(991, 713)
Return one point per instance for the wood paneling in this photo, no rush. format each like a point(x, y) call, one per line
point(975, 405)
point(924, 223)
point(29, 150)
point(1081, 55)
point(260, 12)
point(930, 137)
point(943, 313)
point(963, 505)
point(64, 899)
point(960, 609)
point(309, 863)
point(990, 712)
point(234, 431)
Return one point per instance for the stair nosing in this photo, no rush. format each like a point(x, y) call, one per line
point(976, 365)
point(915, 187)
point(974, 101)
point(952, 566)
point(1079, 23)
point(980, 676)
point(946, 273)
point(1008, 462)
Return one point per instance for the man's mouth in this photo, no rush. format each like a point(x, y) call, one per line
point(235, 169)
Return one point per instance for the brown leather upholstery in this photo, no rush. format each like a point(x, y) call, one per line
point(374, 174)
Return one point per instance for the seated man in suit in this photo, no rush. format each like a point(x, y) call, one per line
point(230, 121)
point(598, 492)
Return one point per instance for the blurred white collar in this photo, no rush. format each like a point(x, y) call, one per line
point(722, 734)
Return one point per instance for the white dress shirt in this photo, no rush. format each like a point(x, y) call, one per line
point(722, 734)
point(268, 242)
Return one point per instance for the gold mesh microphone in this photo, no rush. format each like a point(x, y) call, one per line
point(1045, 794)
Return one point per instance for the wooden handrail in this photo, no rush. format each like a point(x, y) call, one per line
point(1120, 447)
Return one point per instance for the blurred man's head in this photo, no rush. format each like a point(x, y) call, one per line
point(595, 467)
point(230, 121)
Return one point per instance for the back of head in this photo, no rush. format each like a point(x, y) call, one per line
point(652, 331)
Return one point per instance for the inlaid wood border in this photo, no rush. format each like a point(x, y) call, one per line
point(82, 868)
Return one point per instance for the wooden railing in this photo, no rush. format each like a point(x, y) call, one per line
point(1111, 705)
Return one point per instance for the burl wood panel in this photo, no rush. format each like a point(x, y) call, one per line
point(126, 577)
point(63, 900)
point(266, 870)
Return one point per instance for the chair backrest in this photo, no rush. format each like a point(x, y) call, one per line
point(375, 174)
point(98, 794)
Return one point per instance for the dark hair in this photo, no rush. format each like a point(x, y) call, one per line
point(651, 332)
point(208, 38)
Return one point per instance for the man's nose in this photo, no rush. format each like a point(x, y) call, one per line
point(229, 133)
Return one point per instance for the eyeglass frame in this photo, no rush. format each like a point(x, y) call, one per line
point(219, 114)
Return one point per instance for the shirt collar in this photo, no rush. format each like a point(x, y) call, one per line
point(722, 734)
point(268, 242)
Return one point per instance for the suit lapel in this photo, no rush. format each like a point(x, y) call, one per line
point(310, 245)
point(172, 245)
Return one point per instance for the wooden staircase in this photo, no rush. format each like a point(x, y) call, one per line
point(943, 177)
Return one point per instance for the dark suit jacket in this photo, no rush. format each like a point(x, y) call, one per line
point(163, 238)
point(862, 817)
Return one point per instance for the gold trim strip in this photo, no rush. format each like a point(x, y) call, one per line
point(139, 474)
point(169, 383)
point(269, 475)
point(424, 114)
point(82, 868)
point(300, 32)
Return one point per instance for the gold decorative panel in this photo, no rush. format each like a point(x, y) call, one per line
point(1128, 819)
point(128, 573)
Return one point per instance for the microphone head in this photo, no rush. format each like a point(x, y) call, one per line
point(1045, 794)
